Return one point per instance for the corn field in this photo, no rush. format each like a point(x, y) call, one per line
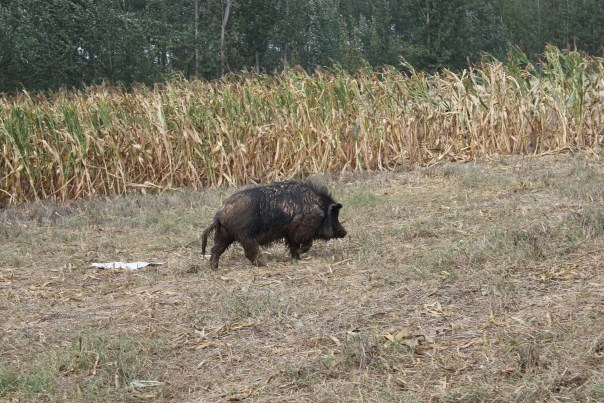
point(255, 128)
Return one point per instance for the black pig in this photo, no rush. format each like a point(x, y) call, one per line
point(296, 211)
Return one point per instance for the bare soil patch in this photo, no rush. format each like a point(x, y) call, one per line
point(457, 282)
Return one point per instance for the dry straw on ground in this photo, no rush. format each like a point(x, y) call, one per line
point(457, 282)
point(105, 140)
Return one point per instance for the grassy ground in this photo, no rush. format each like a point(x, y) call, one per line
point(479, 281)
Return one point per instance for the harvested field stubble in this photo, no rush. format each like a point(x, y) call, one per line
point(250, 128)
point(458, 282)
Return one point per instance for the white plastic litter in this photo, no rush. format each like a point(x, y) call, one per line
point(125, 265)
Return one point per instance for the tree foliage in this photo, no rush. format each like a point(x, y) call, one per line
point(70, 43)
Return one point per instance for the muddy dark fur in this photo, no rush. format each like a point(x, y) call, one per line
point(295, 211)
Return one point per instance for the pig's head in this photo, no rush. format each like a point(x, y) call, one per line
point(331, 226)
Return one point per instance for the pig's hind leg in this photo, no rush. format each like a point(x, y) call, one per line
point(221, 242)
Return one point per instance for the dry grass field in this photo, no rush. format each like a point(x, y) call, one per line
point(458, 282)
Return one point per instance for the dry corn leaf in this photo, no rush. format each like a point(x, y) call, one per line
point(411, 342)
point(237, 326)
point(435, 309)
point(403, 333)
point(470, 343)
point(434, 346)
point(337, 360)
point(206, 344)
point(400, 382)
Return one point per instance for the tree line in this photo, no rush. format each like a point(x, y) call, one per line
point(70, 43)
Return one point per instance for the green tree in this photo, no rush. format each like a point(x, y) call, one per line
point(54, 43)
point(43, 47)
point(323, 46)
point(290, 33)
point(449, 32)
point(255, 20)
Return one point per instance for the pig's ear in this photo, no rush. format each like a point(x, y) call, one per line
point(335, 206)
